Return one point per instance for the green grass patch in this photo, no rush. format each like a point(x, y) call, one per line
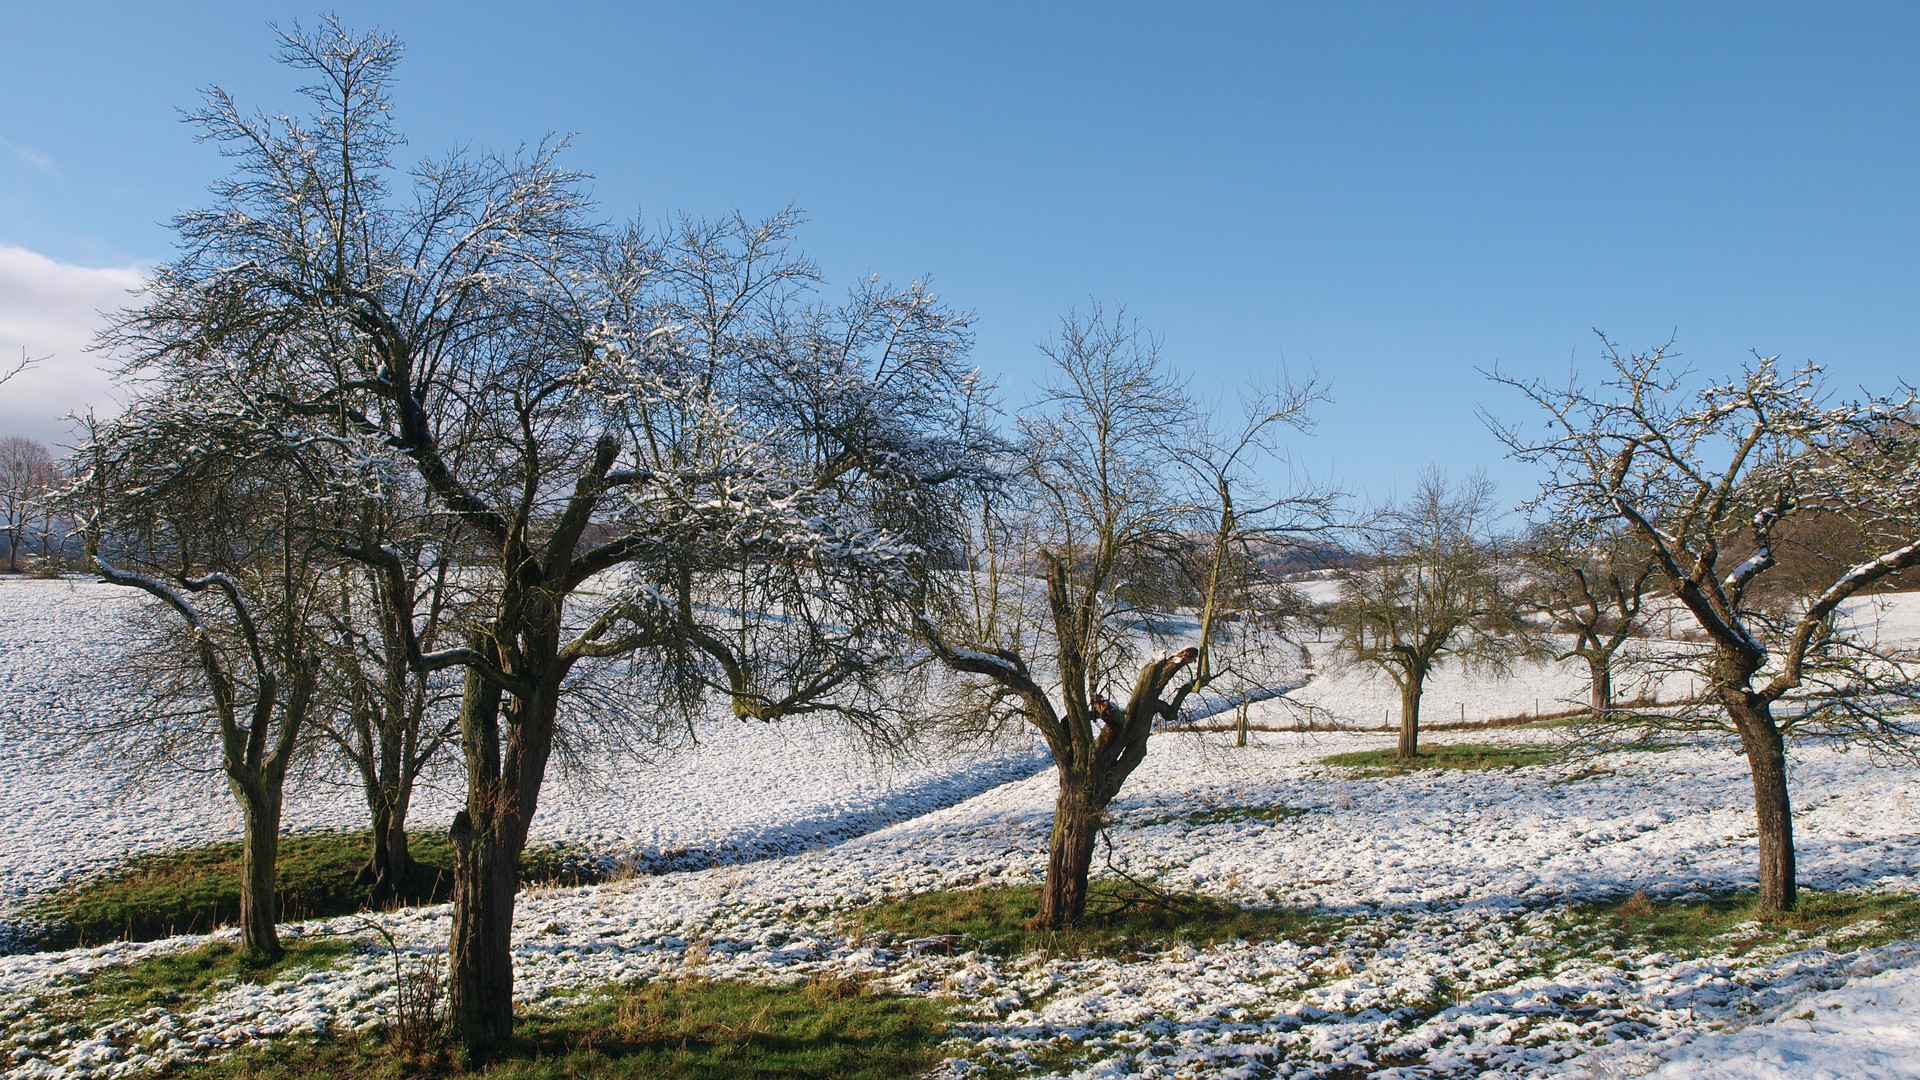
point(1734, 922)
point(181, 978)
point(1217, 815)
point(1121, 919)
point(1446, 756)
point(195, 890)
point(704, 1029)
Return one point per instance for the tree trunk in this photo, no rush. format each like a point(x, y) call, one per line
point(390, 868)
point(486, 875)
point(1241, 727)
point(503, 790)
point(259, 876)
point(1767, 761)
point(1410, 716)
point(1600, 670)
point(1076, 826)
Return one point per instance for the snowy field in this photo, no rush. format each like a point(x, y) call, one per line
point(1451, 955)
point(743, 791)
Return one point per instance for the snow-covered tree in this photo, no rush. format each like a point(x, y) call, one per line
point(675, 467)
point(29, 477)
point(1046, 624)
point(210, 526)
point(1435, 588)
point(1713, 477)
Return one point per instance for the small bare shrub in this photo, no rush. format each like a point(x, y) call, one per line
point(418, 992)
point(416, 1007)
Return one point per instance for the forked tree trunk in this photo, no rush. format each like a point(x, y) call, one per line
point(1076, 826)
point(259, 861)
point(1773, 809)
point(503, 789)
point(1410, 692)
point(390, 867)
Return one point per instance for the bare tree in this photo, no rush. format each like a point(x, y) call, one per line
point(1716, 476)
point(219, 524)
point(389, 719)
point(1101, 499)
point(1591, 583)
point(1434, 591)
point(676, 468)
point(28, 478)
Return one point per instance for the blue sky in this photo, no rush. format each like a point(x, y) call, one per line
point(1394, 195)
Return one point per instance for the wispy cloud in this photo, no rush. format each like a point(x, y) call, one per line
point(31, 156)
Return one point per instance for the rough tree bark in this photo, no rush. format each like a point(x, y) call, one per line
point(1765, 746)
point(1076, 827)
point(504, 776)
point(1600, 684)
point(1411, 689)
point(259, 878)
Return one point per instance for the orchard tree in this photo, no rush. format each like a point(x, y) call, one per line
point(1591, 583)
point(1435, 588)
point(1714, 477)
point(1046, 624)
point(676, 467)
point(209, 526)
point(29, 477)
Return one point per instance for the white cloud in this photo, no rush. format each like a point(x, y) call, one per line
point(31, 156)
point(52, 309)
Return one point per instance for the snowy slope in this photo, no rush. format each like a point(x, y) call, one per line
point(1453, 957)
point(743, 791)
point(1452, 954)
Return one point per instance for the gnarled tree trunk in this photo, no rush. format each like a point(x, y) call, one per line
point(503, 789)
point(1076, 827)
point(1091, 773)
point(486, 877)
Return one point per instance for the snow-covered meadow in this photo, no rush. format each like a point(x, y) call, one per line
point(731, 791)
point(1452, 950)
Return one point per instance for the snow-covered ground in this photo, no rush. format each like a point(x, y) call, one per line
point(1449, 959)
point(1453, 952)
point(742, 791)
